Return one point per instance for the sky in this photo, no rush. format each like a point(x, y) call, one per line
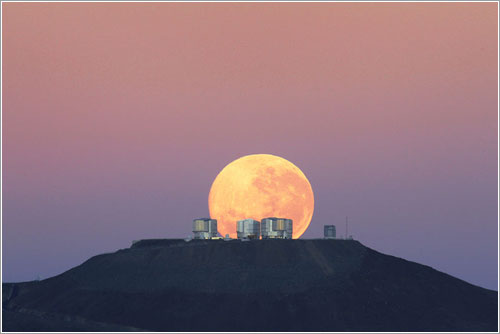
point(117, 117)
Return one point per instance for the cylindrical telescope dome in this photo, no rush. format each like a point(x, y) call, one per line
point(276, 228)
point(330, 232)
point(204, 228)
point(248, 228)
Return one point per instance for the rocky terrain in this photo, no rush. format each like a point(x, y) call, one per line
point(260, 285)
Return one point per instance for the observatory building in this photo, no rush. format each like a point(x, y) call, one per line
point(330, 232)
point(248, 228)
point(276, 228)
point(204, 228)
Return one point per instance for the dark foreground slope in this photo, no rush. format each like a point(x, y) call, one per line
point(271, 285)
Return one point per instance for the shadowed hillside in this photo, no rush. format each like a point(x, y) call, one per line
point(266, 285)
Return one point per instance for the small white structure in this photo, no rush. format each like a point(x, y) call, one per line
point(248, 228)
point(205, 228)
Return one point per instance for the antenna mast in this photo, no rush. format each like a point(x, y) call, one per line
point(346, 230)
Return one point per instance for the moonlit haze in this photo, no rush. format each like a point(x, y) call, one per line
point(118, 117)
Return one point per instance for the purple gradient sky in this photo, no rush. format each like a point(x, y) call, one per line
point(118, 116)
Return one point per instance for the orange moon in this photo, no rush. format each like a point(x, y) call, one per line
point(259, 186)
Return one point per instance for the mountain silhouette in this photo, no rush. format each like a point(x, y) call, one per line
point(259, 285)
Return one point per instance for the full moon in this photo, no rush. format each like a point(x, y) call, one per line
point(259, 186)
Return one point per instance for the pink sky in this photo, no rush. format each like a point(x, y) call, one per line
point(118, 116)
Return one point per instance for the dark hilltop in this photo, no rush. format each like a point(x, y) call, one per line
point(265, 285)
